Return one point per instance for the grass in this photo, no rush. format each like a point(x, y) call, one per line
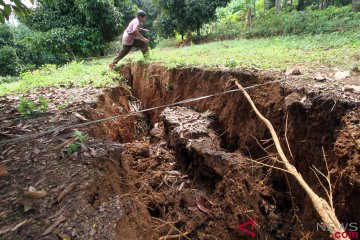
point(275, 53)
point(82, 73)
point(340, 49)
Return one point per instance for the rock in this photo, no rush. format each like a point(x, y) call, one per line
point(342, 75)
point(293, 71)
point(321, 78)
point(352, 89)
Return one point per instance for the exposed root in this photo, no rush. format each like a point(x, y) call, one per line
point(324, 209)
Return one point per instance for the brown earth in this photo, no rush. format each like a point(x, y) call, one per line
point(184, 171)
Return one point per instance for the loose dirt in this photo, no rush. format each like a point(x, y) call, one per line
point(182, 172)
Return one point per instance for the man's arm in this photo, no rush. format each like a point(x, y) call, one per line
point(144, 30)
point(141, 37)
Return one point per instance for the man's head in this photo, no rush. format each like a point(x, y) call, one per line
point(141, 15)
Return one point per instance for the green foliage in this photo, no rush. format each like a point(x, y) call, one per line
point(305, 22)
point(340, 49)
point(187, 15)
point(82, 73)
point(104, 16)
point(6, 36)
point(80, 138)
point(287, 23)
point(8, 61)
point(6, 8)
point(30, 108)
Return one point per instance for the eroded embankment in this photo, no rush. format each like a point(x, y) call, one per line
point(314, 121)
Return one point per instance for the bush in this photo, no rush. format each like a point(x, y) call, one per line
point(331, 19)
point(9, 64)
point(289, 22)
point(6, 37)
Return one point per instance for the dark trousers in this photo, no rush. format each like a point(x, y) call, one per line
point(126, 49)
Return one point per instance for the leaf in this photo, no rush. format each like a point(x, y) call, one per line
point(5, 229)
point(66, 191)
point(193, 209)
point(2, 19)
point(3, 170)
point(63, 236)
point(181, 186)
point(200, 203)
point(59, 220)
point(293, 71)
point(81, 117)
point(35, 195)
point(19, 225)
point(7, 11)
point(27, 203)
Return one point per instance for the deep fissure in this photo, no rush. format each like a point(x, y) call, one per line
point(242, 191)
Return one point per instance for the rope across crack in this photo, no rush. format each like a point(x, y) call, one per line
point(61, 128)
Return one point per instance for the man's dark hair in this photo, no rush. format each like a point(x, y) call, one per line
point(141, 13)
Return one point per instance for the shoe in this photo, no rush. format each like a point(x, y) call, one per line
point(111, 66)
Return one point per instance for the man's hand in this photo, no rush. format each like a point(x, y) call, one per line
point(146, 40)
point(145, 30)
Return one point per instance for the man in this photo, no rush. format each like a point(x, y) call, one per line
point(133, 38)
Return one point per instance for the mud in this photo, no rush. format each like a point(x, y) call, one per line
point(185, 172)
point(315, 120)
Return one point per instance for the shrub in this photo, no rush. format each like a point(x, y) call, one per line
point(9, 64)
point(6, 37)
point(289, 22)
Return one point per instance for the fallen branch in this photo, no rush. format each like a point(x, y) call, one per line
point(326, 212)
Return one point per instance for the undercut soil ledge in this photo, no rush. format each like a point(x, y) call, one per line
point(185, 170)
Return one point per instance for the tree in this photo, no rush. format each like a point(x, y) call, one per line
point(106, 16)
point(78, 28)
point(188, 15)
point(356, 5)
point(278, 6)
point(13, 5)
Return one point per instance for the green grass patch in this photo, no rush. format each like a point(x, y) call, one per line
point(82, 73)
point(340, 49)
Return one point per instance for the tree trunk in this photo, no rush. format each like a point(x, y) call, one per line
point(198, 33)
point(278, 6)
point(248, 14)
point(356, 5)
point(254, 8)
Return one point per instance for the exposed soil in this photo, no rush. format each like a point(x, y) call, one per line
point(184, 170)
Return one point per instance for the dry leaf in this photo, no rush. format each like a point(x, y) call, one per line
point(181, 186)
point(57, 213)
point(66, 191)
point(200, 203)
point(320, 77)
point(3, 170)
point(7, 228)
point(35, 195)
point(36, 151)
point(352, 88)
point(81, 117)
point(193, 209)
point(63, 236)
point(59, 220)
point(293, 71)
point(19, 225)
point(27, 203)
